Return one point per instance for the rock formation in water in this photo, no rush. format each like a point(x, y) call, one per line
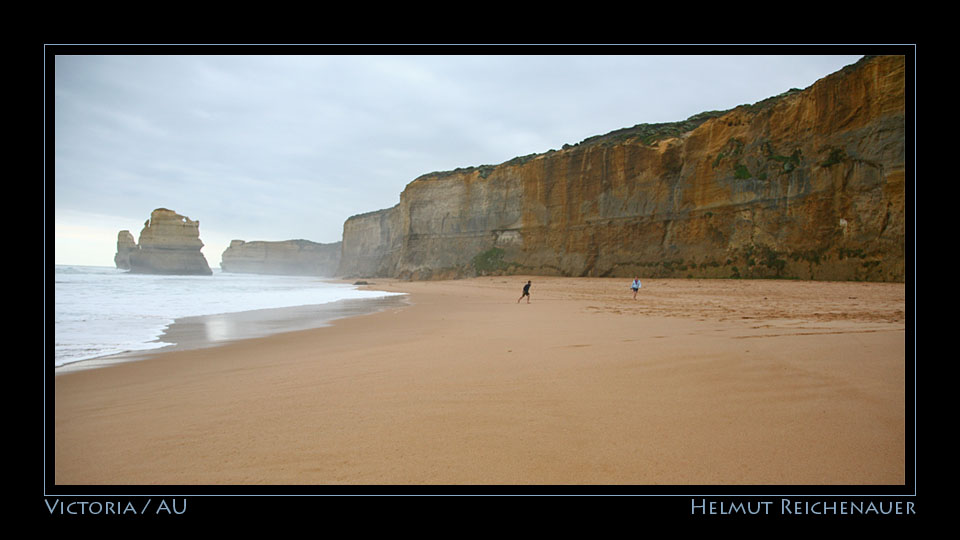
point(809, 184)
point(289, 257)
point(125, 246)
point(169, 244)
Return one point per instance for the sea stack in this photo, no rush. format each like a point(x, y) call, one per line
point(125, 246)
point(169, 244)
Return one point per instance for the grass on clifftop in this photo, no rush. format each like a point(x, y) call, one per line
point(647, 134)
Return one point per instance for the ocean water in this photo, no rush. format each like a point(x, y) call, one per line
point(102, 311)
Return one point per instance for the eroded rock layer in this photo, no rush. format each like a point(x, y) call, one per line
point(125, 246)
point(169, 244)
point(809, 184)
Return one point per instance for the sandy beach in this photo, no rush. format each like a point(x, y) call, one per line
point(696, 382)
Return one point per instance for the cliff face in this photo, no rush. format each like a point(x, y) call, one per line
point(374, 244)
point(169, 244)
point(289, 257)
point(809, 185)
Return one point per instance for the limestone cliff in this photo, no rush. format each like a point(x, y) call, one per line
point(289, 257)
point(809, 184)
point(169, 244)
point(372, 244)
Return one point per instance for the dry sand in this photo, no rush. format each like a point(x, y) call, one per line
point(695, 382)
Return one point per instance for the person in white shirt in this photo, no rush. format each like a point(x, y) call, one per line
point(635, 286)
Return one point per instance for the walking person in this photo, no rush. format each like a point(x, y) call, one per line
point(526, 292)
point(635, 286)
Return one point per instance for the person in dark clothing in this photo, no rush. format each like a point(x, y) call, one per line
point(526, 292)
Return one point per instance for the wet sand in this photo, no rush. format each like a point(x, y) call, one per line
point(696, 382)
point(203, 331)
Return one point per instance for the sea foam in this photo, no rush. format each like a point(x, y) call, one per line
point(100, 311)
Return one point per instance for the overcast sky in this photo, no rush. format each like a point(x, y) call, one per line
point(288, 147)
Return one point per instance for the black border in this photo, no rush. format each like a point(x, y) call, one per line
point(213, 503)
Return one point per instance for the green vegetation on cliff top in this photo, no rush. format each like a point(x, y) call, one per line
point(647, 134)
